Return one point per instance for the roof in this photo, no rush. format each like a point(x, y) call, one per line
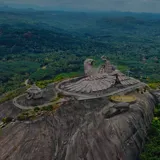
point(34, 89)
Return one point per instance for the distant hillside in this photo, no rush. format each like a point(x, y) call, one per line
point(23, 38)
point(41, 45)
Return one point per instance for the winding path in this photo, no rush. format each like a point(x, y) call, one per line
point(79, 96)
point(85, 96)
point(32, 107)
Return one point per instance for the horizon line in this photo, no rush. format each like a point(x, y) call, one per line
point(39, 8)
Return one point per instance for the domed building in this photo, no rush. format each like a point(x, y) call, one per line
point(34, 92)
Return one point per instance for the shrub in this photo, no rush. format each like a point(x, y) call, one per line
point(157, 112)
point(36, 109)
point(21, 117)
point(10, 95)
point(152, 147)
point(7, 119)
point(47, 108)
point(154, 85)
point(60, 95)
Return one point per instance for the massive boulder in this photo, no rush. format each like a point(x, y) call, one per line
point(94, 129)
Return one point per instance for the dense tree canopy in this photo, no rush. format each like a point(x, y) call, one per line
point(40, 45)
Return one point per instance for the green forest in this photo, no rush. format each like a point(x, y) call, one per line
point(41, 45)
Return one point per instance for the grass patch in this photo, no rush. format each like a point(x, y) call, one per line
point(59, 77)
point(12, 94)
point(154, 85)
point(124, 98)
point(34, 113)
point(7, 120)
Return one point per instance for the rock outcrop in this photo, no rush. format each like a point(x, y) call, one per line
point(7, 109)
point(81, 130)
point(156, 94)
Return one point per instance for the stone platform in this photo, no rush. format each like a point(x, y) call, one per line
point(49, 94)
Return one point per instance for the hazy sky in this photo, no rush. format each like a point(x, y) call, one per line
point(122, 5)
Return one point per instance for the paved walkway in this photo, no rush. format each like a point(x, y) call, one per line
point(32, 107)
point(80, 96)
point(119, 91)
point(85, 96)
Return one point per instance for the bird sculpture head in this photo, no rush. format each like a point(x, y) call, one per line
point(88, 66)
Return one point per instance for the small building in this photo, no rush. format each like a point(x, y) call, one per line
point(34, 92)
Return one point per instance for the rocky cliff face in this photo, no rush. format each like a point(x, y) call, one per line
point(81, 130)
point(7, 109)
point(156, 94)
